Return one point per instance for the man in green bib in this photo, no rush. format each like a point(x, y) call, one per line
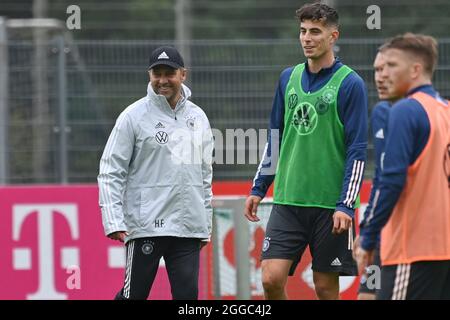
point(319, 121)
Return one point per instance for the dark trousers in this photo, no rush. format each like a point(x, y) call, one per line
point(422, 280)
point(181, 256)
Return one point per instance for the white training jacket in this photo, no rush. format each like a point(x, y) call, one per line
point(156, 170)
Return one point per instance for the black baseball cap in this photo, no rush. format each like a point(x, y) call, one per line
point(166, 55)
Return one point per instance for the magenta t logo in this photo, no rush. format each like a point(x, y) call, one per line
point(46, 264)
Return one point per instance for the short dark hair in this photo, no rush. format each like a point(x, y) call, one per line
point(318, 12)
point(422, 46)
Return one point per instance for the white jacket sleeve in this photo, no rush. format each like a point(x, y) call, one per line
point(113, 174)
point(207, 173)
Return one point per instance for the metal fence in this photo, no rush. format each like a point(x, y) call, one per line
point(61, 112)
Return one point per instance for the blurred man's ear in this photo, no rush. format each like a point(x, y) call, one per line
point(334, 35)
point(416, 70)
point(184, 73)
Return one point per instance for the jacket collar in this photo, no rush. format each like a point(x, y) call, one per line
point(160, 101)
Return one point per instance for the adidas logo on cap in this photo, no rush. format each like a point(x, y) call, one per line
point(163, 55)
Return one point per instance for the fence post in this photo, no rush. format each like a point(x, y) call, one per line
point(4, 112)
point(62, 97)
point(234, 207)
point(216, 259)
point(241, 248)
point(183, 33)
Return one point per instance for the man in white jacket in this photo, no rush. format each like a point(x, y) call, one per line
point(155, 182)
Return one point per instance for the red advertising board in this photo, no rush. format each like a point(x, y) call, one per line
point(300, 285)
point(54, 248)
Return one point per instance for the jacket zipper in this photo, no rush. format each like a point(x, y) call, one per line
point(174, 112)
